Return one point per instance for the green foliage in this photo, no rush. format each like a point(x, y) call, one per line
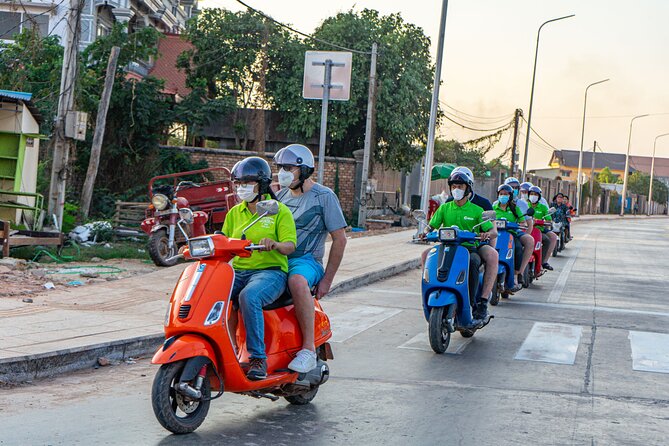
point(585, 190)
point(606, 176)
point(33, 65)
point(639, 183)
point(70, 215)
point(452, 151)
point(404, 76)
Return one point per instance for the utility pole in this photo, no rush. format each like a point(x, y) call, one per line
point(62, 145)
point(100, 123)
point(371, 107)
point(514, 149)
point(592, 177)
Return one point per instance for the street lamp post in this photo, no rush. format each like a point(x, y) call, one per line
point(580, 154)
point(652, 171)
point(534, 75)
point(627, 165)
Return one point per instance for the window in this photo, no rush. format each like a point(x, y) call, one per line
point(12, 23)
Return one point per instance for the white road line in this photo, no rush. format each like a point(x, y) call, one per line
point(650, 351)
point(358, 319)
point(558, 288)
point(589, 308)
point(420, 342)
point(405, 293)
point(554, 343)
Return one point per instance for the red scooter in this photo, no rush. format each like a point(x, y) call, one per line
point(199, 354)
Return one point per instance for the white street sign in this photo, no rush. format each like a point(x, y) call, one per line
point(314, 74)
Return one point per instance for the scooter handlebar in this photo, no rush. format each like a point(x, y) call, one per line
point(255, 247)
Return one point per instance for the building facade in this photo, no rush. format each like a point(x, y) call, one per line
point(49, 17)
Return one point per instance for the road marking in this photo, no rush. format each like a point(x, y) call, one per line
point(548, 342)
point(591, 308)
point(358, 319)
point(420, 342)
point(561, 282)
point(404, 293)
point(650, 351)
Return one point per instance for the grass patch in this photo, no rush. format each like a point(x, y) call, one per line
point(119, 250)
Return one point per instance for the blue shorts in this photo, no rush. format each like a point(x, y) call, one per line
point(307, 267)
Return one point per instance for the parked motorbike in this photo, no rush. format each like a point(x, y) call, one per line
point(164, 240)
point(445, 285)
point(199, 355)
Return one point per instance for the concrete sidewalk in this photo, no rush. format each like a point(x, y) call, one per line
point(68, 329)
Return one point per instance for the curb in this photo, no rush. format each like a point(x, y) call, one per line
point(28, 368)
point(44, 365)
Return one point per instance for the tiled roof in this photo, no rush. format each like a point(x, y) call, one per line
point(169, 49)
point(614, 161)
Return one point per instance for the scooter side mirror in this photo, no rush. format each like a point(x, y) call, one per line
point(268, 207)
point(419, 215)
point(551, 211)
point(489, 215)
point(186, 215)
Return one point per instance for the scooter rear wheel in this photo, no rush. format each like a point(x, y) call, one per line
point(303, 398)
point(175, 412)
point(438, 332)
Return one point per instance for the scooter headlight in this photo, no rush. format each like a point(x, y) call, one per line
point(215, 313)
point(160, 202)
point(500, 224)
point(446, 234)
point(201, 247)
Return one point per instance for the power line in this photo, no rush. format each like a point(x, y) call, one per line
point(505, 126)
point(308, 36)
point(539, 136)
point(496, 118)
point(474, 122)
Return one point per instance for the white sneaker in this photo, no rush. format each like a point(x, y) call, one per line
point(304, 361)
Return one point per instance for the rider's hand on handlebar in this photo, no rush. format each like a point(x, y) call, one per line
point(182, 249)
point(484, 236)
point(268, 243)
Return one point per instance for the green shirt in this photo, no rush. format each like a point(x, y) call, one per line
point(540, 213)
point(508, 213)
point(464, 217)
point(279, 227)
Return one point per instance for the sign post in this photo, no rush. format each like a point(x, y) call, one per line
point(334, 68)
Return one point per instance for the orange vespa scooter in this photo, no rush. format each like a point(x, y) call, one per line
point(198, 354)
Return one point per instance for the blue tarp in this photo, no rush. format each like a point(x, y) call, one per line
point(16, 95)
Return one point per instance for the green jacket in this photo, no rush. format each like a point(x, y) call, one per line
point(464, 217)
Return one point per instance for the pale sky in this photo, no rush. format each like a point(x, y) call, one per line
point(489, 54)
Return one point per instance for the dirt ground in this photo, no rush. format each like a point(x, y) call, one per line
point(27, 278)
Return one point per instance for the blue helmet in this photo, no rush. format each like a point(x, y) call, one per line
point(505, 187)
point(526, 185)
point(512, 181)
point(536, 190)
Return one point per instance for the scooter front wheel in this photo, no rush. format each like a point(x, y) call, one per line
point(438, 332)
point(176, 412)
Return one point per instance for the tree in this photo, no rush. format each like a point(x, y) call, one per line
point(227, 67)
point(452, 151)
point(639, 183)
point(404, 74)
point(33, 64)
point(606, 176)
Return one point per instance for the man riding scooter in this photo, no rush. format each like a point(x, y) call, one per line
point(506, 208)
point(549, 239)
point(317, 213)
point(464, 214)
point(261, 278)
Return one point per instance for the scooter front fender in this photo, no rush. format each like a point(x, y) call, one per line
point(441, 298)
point(184, 347)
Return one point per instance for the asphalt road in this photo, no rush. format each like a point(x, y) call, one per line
point(581, 358)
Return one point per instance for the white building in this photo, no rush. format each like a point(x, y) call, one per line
point(49, 16)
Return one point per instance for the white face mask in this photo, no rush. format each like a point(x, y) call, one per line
point(523, 195)
point(286, 178)
point(246, 192)
point(458, 194)
point(534, 198)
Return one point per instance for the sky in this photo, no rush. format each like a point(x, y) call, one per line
point(489, 54)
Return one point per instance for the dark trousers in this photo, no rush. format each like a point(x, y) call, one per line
point(545, 242)
point(517, 252)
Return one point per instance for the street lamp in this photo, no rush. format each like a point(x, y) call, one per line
point(534, 74)
point(627, 165)
point(652, 171)
point(580, 155)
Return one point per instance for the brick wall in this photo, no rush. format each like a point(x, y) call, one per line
point(339, 173)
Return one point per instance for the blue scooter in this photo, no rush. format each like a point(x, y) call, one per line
point(445, 285)
point(505, 248)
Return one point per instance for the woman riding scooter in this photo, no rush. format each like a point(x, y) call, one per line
point(261, 278)
point(549, 239)
point(505, 208)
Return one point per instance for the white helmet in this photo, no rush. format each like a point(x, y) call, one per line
point(295, 155)
point(466, 171)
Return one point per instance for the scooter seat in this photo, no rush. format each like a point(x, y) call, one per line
point(283, 301)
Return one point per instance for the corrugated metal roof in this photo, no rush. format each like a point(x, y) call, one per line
point(21, 96)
